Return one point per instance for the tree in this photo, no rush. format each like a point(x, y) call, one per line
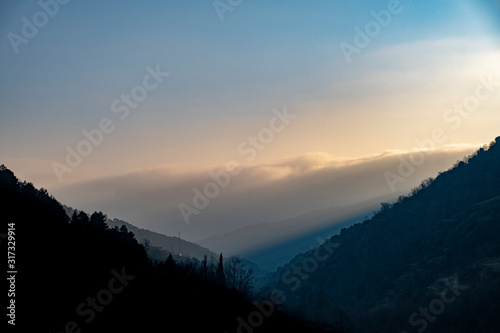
point(79, 219)
point(170, 262)
point(237, 276)
point(203, 269)
point(8, 180)
point(98, 221)
point(147, 244)
point(385, 206)
point(74, 217)
point(83, 218)
point(220, 278)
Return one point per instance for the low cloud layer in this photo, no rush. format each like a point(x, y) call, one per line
point(258, 193)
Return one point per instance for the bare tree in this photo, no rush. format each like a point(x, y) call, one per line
point(147, 244)
point(237, 276)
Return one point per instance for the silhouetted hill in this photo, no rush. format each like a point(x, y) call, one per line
point(273, 244)
point(429, 262)
point(160, 245)
point(77, 275)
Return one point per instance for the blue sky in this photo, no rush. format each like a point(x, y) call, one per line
point(227, 76)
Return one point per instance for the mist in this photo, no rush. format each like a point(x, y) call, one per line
point(259, 193)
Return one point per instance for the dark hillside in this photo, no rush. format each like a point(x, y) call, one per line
point(77, 275)
point(388, 267)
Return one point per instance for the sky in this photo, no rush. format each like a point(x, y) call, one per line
point(127, 106)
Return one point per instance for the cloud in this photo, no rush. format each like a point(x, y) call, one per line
point(421, 67)
point(260, 193)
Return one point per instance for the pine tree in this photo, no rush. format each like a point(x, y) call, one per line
point(170, 262)
point(204, 271)
point(74, 217)
point(98, 221)
point(220, 278)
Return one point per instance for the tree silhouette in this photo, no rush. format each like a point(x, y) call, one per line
point(98, 221)
point(83, 218)
point(74, 218)
point(79, 220)
point(203, 270)
point(170, 263)
point(237, 277)
point(147, 244)
point(220, 277)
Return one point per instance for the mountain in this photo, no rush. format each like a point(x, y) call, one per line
point(161, 245)
point(428, 262)
point(273, 244)
point(75, 274)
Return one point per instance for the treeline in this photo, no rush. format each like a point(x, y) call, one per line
point(231, 273)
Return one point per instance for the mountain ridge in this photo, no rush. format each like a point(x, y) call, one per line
point(160, 245)
point(163, 245)
point(443, 233)
point(261, 243)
